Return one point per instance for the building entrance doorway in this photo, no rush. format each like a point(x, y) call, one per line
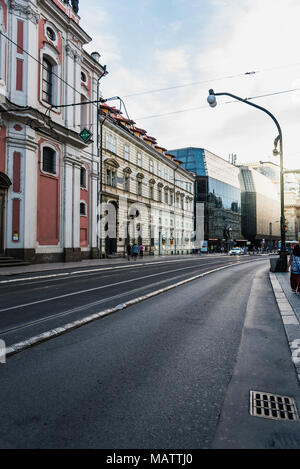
point(111, 245)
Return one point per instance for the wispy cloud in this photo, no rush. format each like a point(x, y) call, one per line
point(147, 47)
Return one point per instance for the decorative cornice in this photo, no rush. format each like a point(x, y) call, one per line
point(28, 11)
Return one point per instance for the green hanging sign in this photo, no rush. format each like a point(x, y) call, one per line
point(85, 135)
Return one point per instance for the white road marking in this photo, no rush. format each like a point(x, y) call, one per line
point(96, 288)
point(21, 346)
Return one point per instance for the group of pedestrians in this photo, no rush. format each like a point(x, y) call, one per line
point(294, 267)
point(134, 250)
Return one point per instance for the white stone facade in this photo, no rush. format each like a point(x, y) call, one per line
point(149, 194)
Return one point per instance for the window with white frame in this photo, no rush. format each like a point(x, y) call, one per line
point(49, 160)
point(83, 209)
point(126, 152)
point(111, 143)
point(166, 174)
point(110, 177)
point(151, 166)
point(158, 170)
point(47, 81)
point(139, 159)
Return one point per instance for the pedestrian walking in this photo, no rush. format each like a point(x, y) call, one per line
point(141, 250)
point(128, 251)
point(135, 251)
point(294, 266)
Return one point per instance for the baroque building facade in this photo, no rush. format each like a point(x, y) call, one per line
point(48, 174)
point(145, 192)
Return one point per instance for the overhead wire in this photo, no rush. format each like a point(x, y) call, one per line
point(171, 87)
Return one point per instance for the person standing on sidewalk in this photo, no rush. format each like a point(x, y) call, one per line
point(141, 250)
point(135, 251)
point(294, 264)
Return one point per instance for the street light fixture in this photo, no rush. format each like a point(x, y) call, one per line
point(212, 101)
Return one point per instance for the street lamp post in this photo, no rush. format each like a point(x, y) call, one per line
point(213, 102)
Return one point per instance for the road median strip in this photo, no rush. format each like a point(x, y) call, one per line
point(58, 331)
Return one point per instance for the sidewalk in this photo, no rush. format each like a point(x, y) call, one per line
point(289, 307)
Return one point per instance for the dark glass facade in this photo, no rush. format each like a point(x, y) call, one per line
point(217, 185)
point(260, 208)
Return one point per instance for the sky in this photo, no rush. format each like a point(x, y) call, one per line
point(191, 46)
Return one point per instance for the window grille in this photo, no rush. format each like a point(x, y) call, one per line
point(49, 160)
point(47, 82)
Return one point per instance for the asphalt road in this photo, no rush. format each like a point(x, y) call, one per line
point(31, 304)
point(155, 375)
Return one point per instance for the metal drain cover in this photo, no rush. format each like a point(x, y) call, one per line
point(271, 406)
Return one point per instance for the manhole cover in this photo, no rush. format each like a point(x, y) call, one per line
point(272, 406)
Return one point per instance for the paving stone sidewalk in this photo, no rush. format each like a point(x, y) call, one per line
point(289, 307)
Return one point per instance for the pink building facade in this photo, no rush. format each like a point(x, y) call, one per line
point(48, 175)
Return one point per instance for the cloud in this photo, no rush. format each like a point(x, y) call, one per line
point(236, 37)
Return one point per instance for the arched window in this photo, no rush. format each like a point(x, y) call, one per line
point(83, 209)
point(49, 161)
point(47, 81)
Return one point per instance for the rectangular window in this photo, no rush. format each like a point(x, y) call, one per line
point(47, 81)
point(151, 192)
point(151, 166)
point(159, 195)
point(166, 197)
point(126, 184)
point(111, 143)
point(113, 179)
point(83, 178)
point(108, 177)
point(139, 187)
point(166, 174)
point(139, 159)
point(126, 152)
point(83, 208)
point(49, 160)
point(159, 170)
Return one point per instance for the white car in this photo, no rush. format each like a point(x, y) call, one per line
point(236, 252)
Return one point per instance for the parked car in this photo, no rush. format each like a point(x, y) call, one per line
point(236, 252)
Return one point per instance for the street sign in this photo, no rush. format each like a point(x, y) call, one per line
point(85, 135)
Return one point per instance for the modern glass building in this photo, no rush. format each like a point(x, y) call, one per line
point(218, 187)
point(260, 208)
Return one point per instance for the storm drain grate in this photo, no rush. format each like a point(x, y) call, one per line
point(271, 406)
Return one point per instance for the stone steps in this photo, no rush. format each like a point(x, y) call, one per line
point(6, 261)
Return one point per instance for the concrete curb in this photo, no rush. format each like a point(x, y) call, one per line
point(290, 322)
point(45, 336)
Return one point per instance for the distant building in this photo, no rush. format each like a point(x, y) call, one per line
point(260, 208)
point(218, 188)
point(145, 192)
point(291, 195)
